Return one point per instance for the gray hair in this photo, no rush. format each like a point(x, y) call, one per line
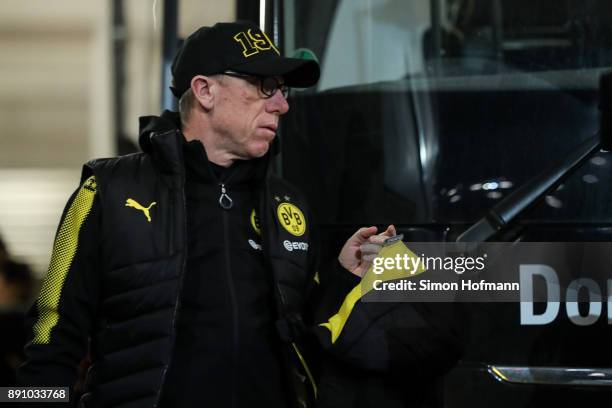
point(185, 105)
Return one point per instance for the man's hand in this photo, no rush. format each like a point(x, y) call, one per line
point(360, 250)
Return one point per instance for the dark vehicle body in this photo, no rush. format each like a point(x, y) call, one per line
point(503, 91)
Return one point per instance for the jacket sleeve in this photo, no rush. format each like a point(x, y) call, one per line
point(385, 336)
point(62, 317)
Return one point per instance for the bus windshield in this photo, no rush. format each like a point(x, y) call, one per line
point(431, 111)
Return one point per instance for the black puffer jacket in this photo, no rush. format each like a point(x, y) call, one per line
point(132, 298)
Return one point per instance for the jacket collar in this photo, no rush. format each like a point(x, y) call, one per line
point(161, 137)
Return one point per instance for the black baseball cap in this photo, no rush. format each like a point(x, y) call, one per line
point(240, 47)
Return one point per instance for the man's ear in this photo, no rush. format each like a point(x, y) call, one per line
point(201, 87)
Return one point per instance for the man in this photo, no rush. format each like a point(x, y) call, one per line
point(185, 270)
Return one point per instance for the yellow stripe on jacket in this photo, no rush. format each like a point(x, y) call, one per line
point(64, 249)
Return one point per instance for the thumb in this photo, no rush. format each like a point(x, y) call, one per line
point(390, 231)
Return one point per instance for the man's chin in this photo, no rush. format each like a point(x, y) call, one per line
point(260, 151)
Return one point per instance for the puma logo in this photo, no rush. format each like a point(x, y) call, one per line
point(130, 202)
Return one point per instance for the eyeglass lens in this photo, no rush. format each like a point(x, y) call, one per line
point(269, 85)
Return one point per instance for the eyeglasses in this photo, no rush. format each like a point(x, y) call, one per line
point(267, 85)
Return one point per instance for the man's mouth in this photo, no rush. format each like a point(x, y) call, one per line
point(272, 128)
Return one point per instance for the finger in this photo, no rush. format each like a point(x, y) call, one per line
point(378, 239)
point(365, 232)
point(370, 248)
point(369, 258)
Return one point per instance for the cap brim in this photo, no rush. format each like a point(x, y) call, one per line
point(297, 73)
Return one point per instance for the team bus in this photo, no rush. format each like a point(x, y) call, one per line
point(468, 120)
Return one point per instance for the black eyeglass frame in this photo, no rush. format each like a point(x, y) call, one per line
point(264, 83)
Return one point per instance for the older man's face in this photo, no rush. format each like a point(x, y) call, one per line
point(245, 119)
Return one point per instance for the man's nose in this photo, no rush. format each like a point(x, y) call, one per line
point(278, 103)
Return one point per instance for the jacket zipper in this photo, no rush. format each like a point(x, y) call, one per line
point(279, 296)
point(183, 262)
point(232, 289)
point(224, 200)
point(313, 384)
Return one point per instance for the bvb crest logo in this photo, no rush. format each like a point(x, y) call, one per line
point(291, 218)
